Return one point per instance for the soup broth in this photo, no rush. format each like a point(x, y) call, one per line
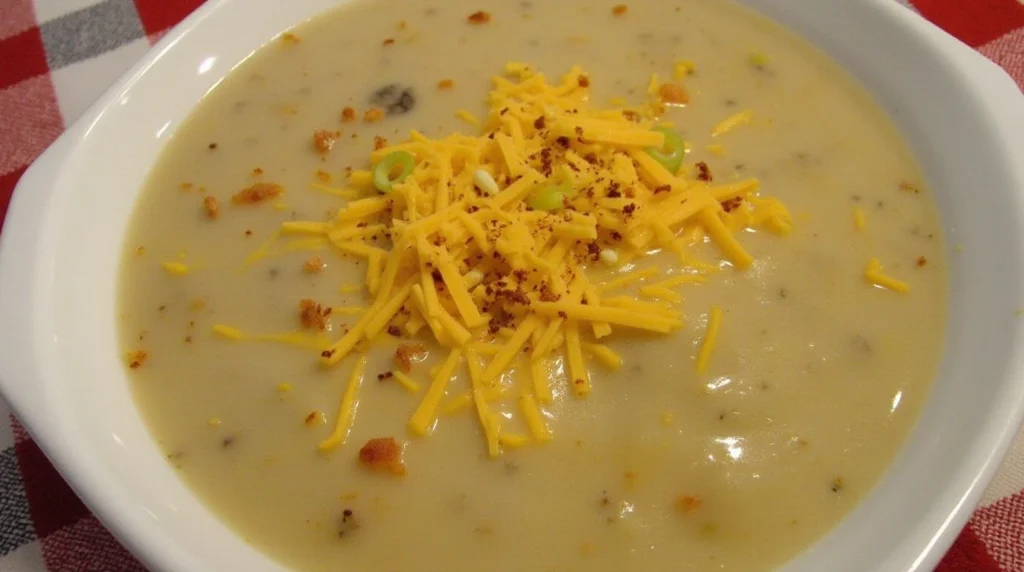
point(814, 379)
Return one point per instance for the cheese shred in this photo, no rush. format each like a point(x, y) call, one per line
point(875, 274)
point(422, 420)
point(347, 411)
point(710, 339)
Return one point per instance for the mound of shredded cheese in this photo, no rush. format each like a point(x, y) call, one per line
point(470, 265)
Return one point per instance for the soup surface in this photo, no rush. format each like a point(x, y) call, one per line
point(815, 377)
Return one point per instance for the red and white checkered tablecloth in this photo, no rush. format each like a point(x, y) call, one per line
point(57, 56)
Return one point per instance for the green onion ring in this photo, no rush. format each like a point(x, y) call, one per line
point(382, 173)
point(548, 197)
point(672, 151)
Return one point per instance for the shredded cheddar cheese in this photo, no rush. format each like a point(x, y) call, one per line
point(875, 274)
point(347, 411)
point(485, 246)
point(410, 385)
point(710, 339)
point(534, 418)
point(228, 332)
point(732, 122)
point(423, 419)
point(859, 218)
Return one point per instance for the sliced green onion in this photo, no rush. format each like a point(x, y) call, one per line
point(549, 197)
point(672, 151)
point(384, 175)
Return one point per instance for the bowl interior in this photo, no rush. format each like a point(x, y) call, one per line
point(95, 435)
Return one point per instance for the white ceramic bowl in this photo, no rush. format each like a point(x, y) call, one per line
point(60, 365)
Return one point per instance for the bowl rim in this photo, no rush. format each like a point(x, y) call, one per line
point(29, 245)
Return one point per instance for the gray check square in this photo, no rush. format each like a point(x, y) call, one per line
point(16, 528)
point(90, 32)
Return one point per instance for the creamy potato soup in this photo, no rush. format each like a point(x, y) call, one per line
point(516, 286)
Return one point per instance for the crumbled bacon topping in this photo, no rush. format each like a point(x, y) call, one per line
point(383, 454)
point(704, 172)
point(323, 140)
point(211, 206)
point(688, 503)
point(406, 353)
point(674, 94)
point(313, 316)
point(257, 194)
point(137, 358)
point(314, 265)
point(480, 17)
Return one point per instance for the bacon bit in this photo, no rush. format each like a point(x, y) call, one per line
point(314, 265)
point(688, 503)
point(704, 172)
point(212, 207)
point(674, 94)
point(394, 331)
point(389, 41)
point(212, 146)
point(257, 172)
point(185, 186)
point(257, 194)
point(315, 418)
point(313, 316)
point(348, 114)
point(445, 84)
point(662, 189)
point(323, 140)
point(290, 38)
point(732, 204)
point(383, 454)
point(479, 17)
point(406, 353)
point(373, 114)
point(921, 261)
point(379, 142)
point(385, 375)
point(140, 251)
point(323, 176)
point(620, 9)
point(137, 358)
point(583, 81)
point(909, 187)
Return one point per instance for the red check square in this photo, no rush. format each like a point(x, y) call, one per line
point(159, 15)
point(7, 183)
point(975, 22)
point(24, 57)
point(52, 503)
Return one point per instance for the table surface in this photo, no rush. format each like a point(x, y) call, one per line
point(57, 57)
